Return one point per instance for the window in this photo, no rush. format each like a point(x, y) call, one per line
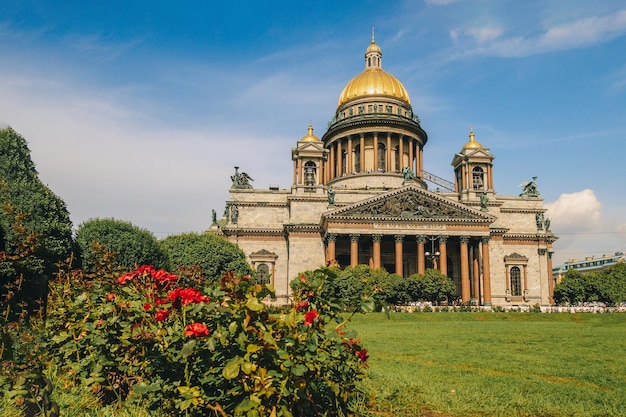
point(477, 178)
point(309, 174)
point(263, 274)
point(382, 156)
point(344, 161)
point(516, 281)
point(357, 158)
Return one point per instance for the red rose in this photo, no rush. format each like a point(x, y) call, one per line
point(303, 304)
point(187, 295)
point(110, 296)
point(196, 330)
point(147, 306)
point(362, 355)
point(163, 276)
point(161, 315)
point(145, 269)
point(310, 316)
point(302, 278)
point(123, 279)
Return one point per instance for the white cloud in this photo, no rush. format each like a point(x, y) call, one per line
point(576, 211)
point(578, 33)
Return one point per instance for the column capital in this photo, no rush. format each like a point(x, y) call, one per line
point(420, 239)
point(443, 238)
point(398, 238)
point(331, 237)
point(542, 252)
point(354, 237)
point(377, 238)
point(485, 239)
point(464, 240)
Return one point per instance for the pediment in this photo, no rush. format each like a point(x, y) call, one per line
point(310, 147)
point(409, 203)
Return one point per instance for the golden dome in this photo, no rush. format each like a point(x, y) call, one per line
point(374, 81)
point(472, 144)
point(310, 137)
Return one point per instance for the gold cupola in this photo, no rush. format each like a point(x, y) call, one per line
point(310, 137)
point(373, 81)
point(472, 144)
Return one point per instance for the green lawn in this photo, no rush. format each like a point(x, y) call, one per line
point(496, 364)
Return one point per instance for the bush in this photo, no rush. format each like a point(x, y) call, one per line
point(213, 254)
point(187, 348)
point(132, 245)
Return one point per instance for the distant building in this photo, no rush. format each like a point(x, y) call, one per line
point(589, 264)
point(359, 196)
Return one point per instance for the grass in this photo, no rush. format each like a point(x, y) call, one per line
point(496, 364)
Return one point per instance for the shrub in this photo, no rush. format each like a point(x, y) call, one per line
point(213, 254)
point(132, 245)
point(187, 348)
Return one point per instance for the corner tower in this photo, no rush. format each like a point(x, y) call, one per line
point(374, 132)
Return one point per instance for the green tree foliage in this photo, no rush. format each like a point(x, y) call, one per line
point(607, 286)
point(213, 254)
point(434, 286)
point(133, 245)
point(29, 205)
point(21, 192)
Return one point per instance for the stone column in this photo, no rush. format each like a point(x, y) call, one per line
point(443, 255)
point(350, 167)
point(399, 239)
point(550, 279)
point(476, 273)
point(295, 171)
point(421, 261)
point(401, 152)
point(375, 151)
point(376, 250)
point(339, 158)
point(362, 153)
point(330, 248)
point(411, 146)
point(354, 249)
point(388, 154)
point(486, 271)
point(332, 170)
point(465, 280)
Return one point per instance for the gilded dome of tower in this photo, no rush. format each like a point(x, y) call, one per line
point(472, 144)
point(310, 137)
point(373, 81)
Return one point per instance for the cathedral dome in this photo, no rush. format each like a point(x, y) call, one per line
point(373, 81)
point(472, 144)
point(310, 137)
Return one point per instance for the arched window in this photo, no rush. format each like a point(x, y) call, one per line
point(516, 281)
point(309, 173)
point(382, 157)
point(263, 274)
point(357, 158)
point(477, 178)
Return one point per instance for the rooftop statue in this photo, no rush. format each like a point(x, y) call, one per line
point(407, 173)
point(529, 188)
point(241, 180)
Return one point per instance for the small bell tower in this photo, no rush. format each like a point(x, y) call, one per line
point(308, 162)
point(473, 171)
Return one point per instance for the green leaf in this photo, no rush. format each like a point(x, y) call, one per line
point(231, 370)
point(188, 349)
point(254, 304)
point(142, 388)
point(368, 305)
point(299, 370)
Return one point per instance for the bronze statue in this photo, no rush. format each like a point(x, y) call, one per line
point(484, 199)
point(331, 197)
point(240, 180)
point(529, 188)
point(407, 173)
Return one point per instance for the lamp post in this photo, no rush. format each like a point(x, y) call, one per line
point(433, 255)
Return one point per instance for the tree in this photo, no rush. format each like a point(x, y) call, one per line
point(133, 245)
point(29, 207)
point(435, 286)
point(213, 254)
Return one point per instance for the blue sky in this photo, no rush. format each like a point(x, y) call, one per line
point(140, 110)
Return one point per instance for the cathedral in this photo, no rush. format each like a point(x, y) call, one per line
point(360, 195)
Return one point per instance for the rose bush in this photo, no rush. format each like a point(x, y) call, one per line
point(175, 343)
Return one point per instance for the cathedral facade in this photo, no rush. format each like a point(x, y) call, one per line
point(360, 195)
